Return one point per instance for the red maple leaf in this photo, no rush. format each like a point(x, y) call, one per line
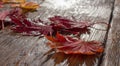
point(23, 25)
point(71, 45)
point(64, 25)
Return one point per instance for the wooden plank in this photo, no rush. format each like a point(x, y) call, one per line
point(17, 50)
point(112, 51)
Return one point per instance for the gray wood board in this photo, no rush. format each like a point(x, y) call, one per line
point(18, 50)
point(112, 52)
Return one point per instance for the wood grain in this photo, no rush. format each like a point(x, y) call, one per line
point(112, 55)
point(18, 50)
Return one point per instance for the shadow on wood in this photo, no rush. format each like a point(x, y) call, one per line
point(70, 59)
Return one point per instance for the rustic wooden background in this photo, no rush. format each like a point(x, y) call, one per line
point(18, 50)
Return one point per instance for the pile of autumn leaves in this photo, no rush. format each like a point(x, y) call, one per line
point(63, 34)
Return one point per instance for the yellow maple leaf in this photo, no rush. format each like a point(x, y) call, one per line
point(13, 1)
point(29, 5)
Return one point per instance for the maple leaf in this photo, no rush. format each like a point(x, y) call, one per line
point(23, 25)
point(29, 5)
point(13, 1)
point(63, 22)
point(33, 30)
point(82, 47)
point(64, 25)
point(69, 45)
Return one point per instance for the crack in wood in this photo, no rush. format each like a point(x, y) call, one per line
point(107, 32)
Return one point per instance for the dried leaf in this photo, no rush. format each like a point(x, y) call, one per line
point(23, 25)
point(35, 31)
point(29, 5)
point(82, 47)
point(13, 1)
point(71, 45)
point(64, 25)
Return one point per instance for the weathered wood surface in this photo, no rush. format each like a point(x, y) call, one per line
point(112, 56)
point(18, 50)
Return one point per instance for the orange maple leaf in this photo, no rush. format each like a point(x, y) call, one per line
point(29, 5)
point(70, 45)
